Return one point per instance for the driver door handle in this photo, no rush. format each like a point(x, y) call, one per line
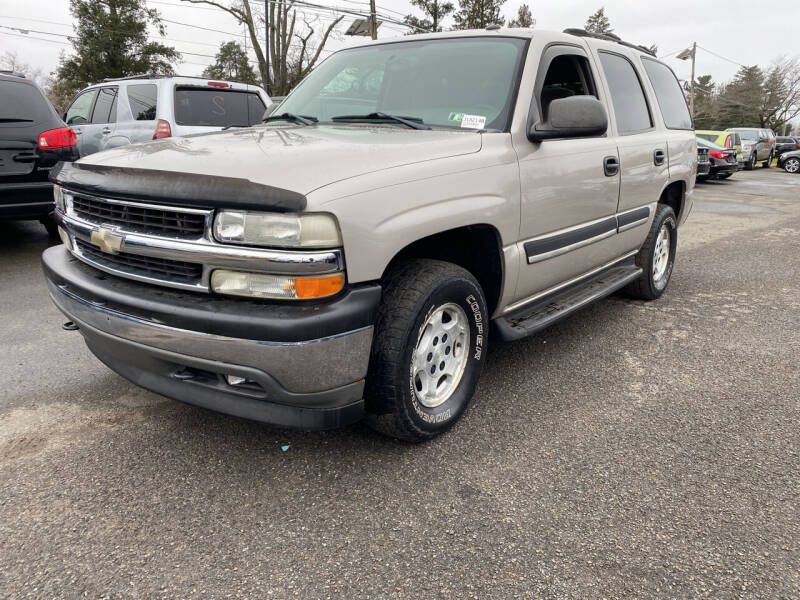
point(610, 166)
point(106, 130)
point(659, 156)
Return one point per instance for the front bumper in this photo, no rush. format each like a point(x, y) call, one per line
point(304, 364)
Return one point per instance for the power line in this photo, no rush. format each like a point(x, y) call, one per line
point(720, 56)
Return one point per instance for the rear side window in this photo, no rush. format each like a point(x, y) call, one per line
point(105, 109)
point(143, 101)
point(210, 107)
point(79, 111)
point(21, 103)
point(627, 96)
point(707, 136)
point(669, 94)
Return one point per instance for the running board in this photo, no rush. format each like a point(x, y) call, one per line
point(530, 319)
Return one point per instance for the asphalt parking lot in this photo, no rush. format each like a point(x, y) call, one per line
point(636, 450)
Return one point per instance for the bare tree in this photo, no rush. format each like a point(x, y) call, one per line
point(9, 61)
point(294, 47)
point(780, 101)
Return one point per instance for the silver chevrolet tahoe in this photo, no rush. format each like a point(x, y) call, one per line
point(352, 256)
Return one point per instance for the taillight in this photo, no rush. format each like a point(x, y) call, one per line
point(163, 130)
point(716, 154)
point(219, 84)
point(798, 145)
point(63, 137)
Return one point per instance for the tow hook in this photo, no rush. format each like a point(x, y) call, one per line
point(69, 326)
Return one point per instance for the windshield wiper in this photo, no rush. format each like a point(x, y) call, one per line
point(287, 116)
point(13, 120)
point(413, 122)
point(232, 126)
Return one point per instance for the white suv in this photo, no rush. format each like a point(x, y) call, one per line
point(119, 112)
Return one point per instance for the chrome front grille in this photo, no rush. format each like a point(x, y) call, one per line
point(143, 266)
point(171, 245)
point(142, 218)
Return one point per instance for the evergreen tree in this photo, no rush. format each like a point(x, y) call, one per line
point(477, 14)
point(111, 41)
point(524, 17)
point(599, 23)
point(231, 64)
point(435, 11)
point(741, 99)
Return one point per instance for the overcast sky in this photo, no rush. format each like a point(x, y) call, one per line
point(741, 31)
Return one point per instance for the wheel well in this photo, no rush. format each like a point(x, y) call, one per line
point(475, 248)
point(672, 196)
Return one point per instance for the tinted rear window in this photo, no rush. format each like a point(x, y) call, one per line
point(707, 136)
point(217, 108)
point(785, 140)
point(20, 103)
point(669, 95)
point(143, 101)
point(627, 96)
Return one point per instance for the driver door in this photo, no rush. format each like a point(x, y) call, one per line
point(570, 187)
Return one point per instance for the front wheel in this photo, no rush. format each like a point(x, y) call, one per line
point(657, 256)
point(792, 165)
point(751, 164)
point(428, 349)
point(768, 163)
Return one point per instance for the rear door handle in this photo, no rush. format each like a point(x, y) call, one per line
point(659, 157)
point(106, 130)
point(610, 166)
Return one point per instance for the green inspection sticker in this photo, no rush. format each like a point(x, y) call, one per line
point(455, 117)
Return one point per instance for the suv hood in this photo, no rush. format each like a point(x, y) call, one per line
point(293, 158)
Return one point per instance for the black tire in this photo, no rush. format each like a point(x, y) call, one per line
point(725, 175)
point(647, 287)
point(413, 292)
point(792, 165)
point(751, 164)
point(768, 163)
point(52, 228)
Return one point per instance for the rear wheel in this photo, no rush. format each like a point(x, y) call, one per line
point(428, 351)
point(768, 163)
point(792, 165)
point(657, 256)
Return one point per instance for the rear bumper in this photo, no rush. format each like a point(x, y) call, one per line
point(182, 345)
point(32, 200)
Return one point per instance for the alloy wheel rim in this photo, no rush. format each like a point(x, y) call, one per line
point(440, 355)
point(661, 253)
point(793, 165)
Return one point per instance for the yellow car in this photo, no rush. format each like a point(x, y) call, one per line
point(726, 139)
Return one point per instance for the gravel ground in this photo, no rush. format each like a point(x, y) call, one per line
point(636, 450)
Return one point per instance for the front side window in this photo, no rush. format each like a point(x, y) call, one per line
point(567, 75)
point(213, 107)
point(105, 109)
point(143, 100)
point(438, 82)
point(630, 106)
point(78, 112)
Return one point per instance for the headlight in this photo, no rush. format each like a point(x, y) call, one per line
point(314, 230)
point(280, 287)
point(58, 196)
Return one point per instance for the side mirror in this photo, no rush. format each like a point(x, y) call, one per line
point(576, 116)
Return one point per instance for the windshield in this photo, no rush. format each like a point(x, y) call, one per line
point(460, 82)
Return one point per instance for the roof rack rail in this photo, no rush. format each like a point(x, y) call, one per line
point(608, 37)
point(12, 73)
point(154, 76)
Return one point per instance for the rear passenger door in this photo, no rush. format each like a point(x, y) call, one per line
point(103, 122)
point(642, 146)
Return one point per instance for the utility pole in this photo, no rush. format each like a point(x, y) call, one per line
point(691, 98)
point(373, 20)
point(266, 41)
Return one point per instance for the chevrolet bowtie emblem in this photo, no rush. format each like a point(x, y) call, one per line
point(108, 241)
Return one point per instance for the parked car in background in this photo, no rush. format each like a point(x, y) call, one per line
point(790, 161)
point(276, 102)
point(758, 145)
point(33, 138)
point(703, 163)
point(119, 112)
point(722, 160)
point(786, 144)
point(726, 139)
